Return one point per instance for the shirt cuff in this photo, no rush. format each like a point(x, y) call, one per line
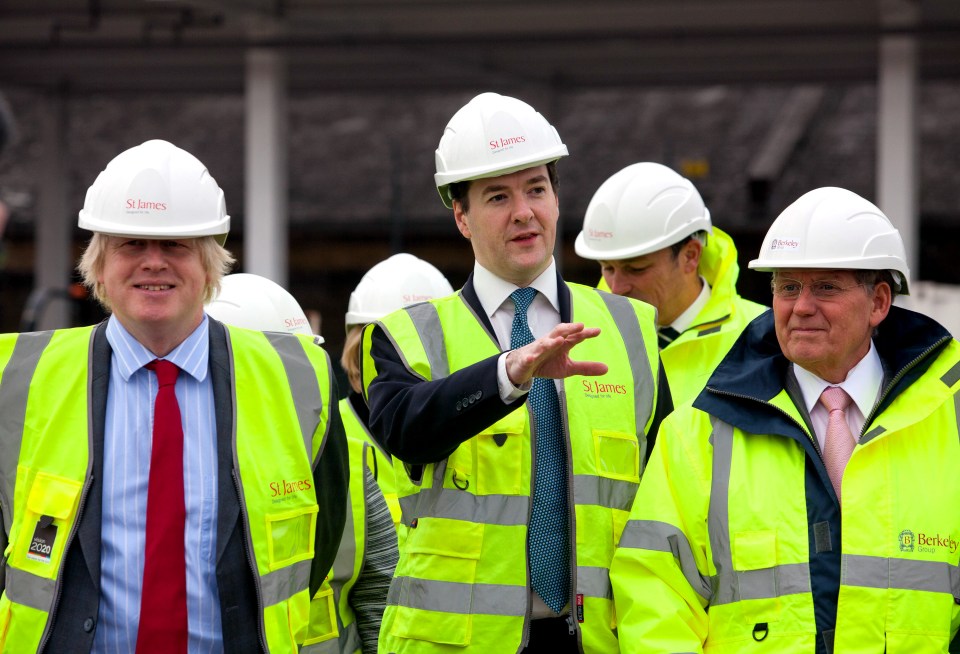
point(509, 392)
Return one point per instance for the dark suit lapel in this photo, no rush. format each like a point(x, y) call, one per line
point(563, 297)
point(88, 531)
point(469, 294)
point(228, 511)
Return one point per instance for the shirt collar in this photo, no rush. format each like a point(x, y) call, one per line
point(191, 356)
point(862, 383)
point(685, 319)
point(492, 291)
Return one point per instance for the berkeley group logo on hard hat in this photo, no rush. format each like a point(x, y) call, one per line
point(139, 205)
point(784, 244)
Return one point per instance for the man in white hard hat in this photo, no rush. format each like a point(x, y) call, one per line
point(346, 612)
point(395, 282)
point(512, 507)
point(167, 483)
point(806, 501)
point(652, 235)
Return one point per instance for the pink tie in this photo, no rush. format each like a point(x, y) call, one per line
point(840, 441)
point(163, 602)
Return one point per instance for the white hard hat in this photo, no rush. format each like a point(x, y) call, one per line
point(156, 190)
point(834, 228)
point(641, 209)
point(393, 284)
point(255, 302)
point(493, 135)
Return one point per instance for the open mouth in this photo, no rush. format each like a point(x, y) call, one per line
point(154, 287)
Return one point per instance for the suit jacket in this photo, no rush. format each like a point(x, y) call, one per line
point(76, 614)
point(423, 422)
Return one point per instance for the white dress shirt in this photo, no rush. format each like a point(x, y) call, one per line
point(862, 385)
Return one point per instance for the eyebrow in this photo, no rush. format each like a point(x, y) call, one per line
point(494, 188)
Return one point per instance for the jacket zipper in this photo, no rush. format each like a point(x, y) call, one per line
point(572, 628)
point(525, 636)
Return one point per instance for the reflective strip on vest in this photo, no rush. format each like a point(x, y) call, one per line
point(303, 385)
point(643, 379)
point(729, 585)
point(603, 491)
point(13, 407)
point(594, 581)
point(37, 592)
point(904, 574)
point(426, 320)
point(663, 537)
point(456, 597)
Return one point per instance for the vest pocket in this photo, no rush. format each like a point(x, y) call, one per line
point(290, 536)
point(755, 566)
point(48, 517)
point(617, 455)
point(436, 575)
point(498, 458)
point(323, 617)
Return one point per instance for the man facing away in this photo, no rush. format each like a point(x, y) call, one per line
point(516, 464)
point(650, 231)
point(167, 484)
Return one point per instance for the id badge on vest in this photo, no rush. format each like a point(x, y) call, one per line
point(44, 536)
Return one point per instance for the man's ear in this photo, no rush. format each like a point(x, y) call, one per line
point(461, 217)
point(690, 255)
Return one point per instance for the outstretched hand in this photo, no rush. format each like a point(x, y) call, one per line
point(549, 356)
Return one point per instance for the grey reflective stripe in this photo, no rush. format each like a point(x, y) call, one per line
point(302, 379)
point(504, 510)
point(956, 409)
point(286, 582)
point(14, 389)
point(952, 376)
point(711, 330)
point(729, 585)
point(29, 589)
point(906, 574)
point(873, 433)
point(625, 317)
point(347, 643)
point(718, 517)
point(426, 320)
point(662, 537)
point(457, 597)
point(594, 581)
point(601, 491)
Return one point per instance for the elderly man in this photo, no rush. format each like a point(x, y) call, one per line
point(167, 484)
point(652, 235)
point(806, 501)
point(512, 508)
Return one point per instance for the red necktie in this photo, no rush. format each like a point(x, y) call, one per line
point(163, 602)
point(839, 442)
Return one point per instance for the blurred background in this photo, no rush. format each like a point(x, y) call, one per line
point(319, 119)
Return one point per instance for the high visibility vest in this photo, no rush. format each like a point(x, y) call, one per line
point(45, 468)
point(333, 622)
point(690, 359)
point(378, 461)
point(462, 582)
point(717, 555)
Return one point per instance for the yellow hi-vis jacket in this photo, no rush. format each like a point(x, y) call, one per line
point(736, 542)
point(333, 623)
point(462, 583)
point(379, 462)
point(46, 465)
point(691, 357)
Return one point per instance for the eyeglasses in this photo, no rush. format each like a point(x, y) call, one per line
point(822, 289)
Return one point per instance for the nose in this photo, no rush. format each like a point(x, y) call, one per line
point(153, 255)
point(618, 282)
point(805, 303)
point(522, 211)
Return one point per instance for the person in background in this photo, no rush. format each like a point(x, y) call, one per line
point(395, 282)
point(521, 463)
point(345, 614)
point(806, 501)
point(652, 235)
point(167, 483)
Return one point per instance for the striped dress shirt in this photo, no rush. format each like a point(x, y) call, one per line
point(128, 436)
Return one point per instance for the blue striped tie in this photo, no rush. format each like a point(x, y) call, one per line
point(548, 536)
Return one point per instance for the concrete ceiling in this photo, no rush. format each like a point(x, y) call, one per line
point(199, 45)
